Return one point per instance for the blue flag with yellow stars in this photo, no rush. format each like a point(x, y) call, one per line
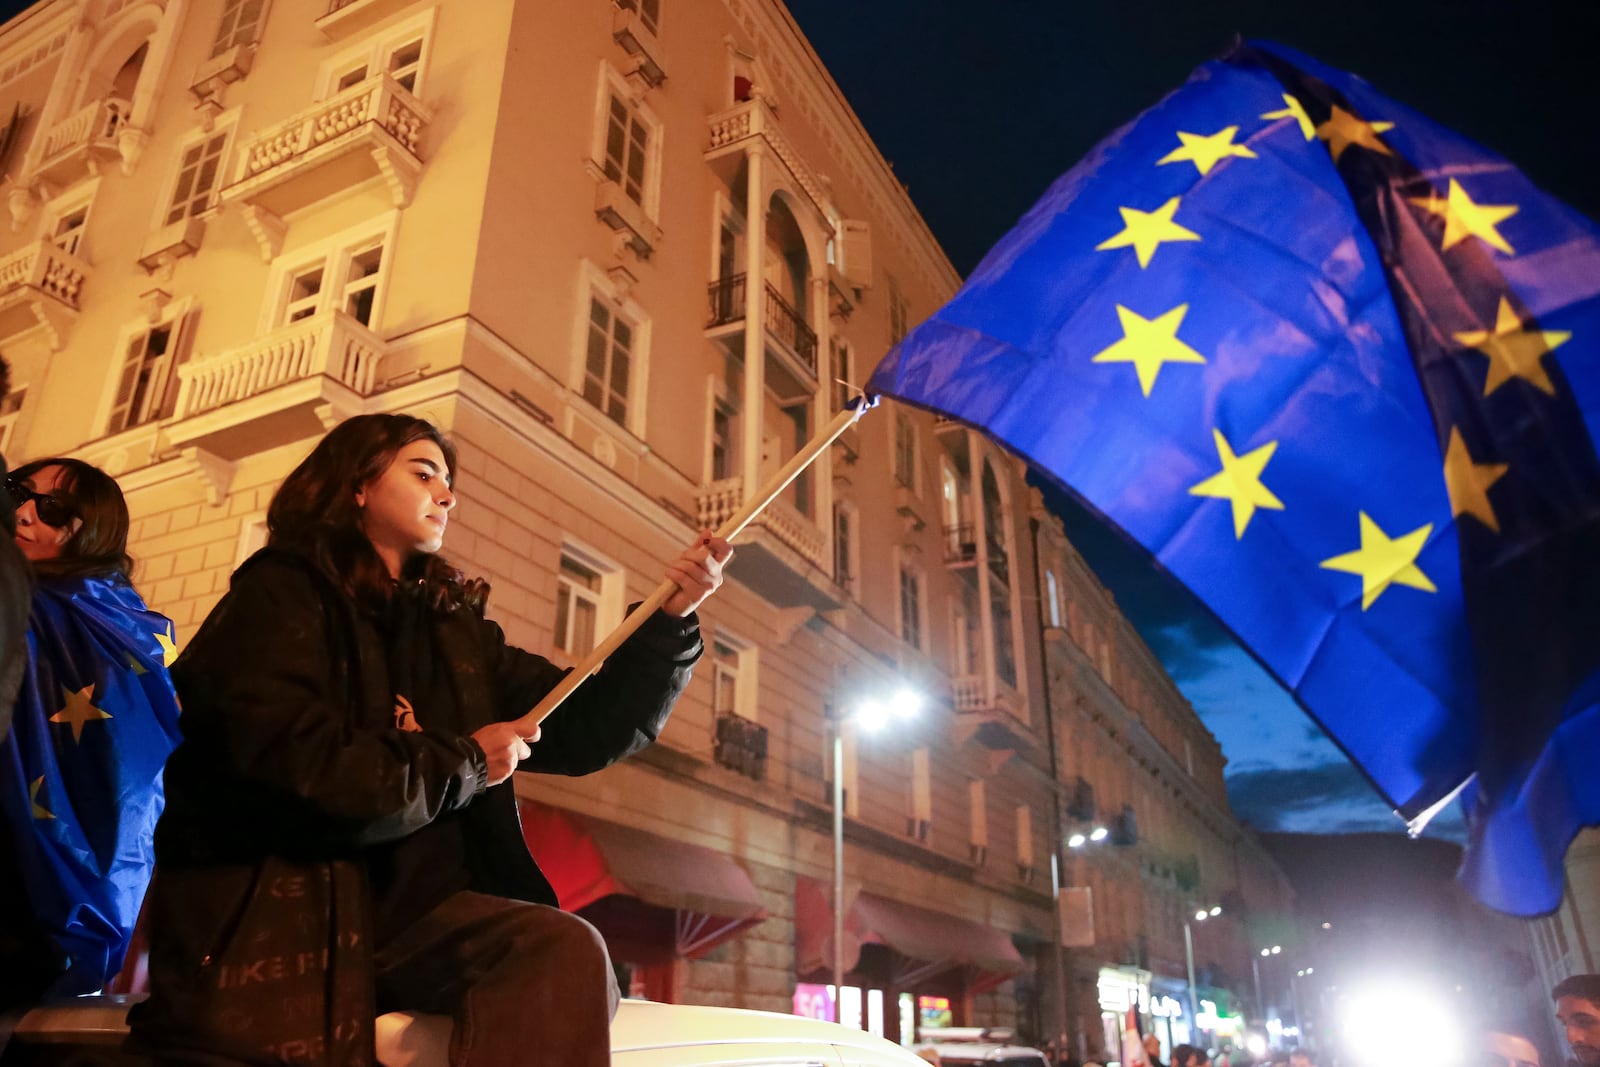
point(80, 775)
point(1337, 369)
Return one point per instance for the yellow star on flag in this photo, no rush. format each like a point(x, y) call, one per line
point(1149, 343)
point(78, 710)
point(1294, 110)
point(39, 810)
point(1344, 129)
point(1382, 561)
point(169, 648)
point(1514, 352)
point(1144, 231)
point(1468, 482)
point(1207, 151)
point(1464, 218)
point(1239, 482)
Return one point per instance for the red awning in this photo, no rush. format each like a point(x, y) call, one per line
point(653, 897)
point(925, 942)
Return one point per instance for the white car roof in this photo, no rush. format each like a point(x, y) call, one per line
point(641, 1024)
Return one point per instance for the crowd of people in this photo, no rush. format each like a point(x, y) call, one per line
point(328, 831)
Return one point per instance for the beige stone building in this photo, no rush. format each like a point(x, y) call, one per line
point(624, 252)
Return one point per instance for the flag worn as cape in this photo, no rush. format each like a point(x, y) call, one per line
point(80, 775)
point(1335, 368)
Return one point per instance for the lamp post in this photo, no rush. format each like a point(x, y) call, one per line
point(870, 715)
point(1255, 971)
point(1200, 916)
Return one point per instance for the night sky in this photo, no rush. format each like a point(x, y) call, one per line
point(979, 106)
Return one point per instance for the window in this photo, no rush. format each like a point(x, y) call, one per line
point(198, 169)
point(608, 360)
point(842, 373)
point(1052, 590)
point(905, 450)
point(1024, 842)
point(361, 284)
point(919, 812)
point(911, 607)
point(649, 12)
point(578, 601)
point(402, 54)
point(733, 676)
point(241, 24)
point(347, 275)
point(724, 447)
point(10, 411)
point(627, 142)
point(899, 313)
point(305, 294)
point(147, 386)
point(67, 233)
point(405, 63)
point(844, 547)
point(847, 771)
point(978, 834)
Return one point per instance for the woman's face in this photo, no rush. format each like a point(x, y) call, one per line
point(405, 509)
point(38, 539)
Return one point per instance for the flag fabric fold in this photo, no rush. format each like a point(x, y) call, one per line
point(1334, 367)
point(80, 773)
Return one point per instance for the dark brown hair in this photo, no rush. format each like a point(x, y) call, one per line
point(1582, 986)
point(98, 548)
point(314, 513)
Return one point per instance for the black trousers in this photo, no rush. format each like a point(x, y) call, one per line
point(523, 983)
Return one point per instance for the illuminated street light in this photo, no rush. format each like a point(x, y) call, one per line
point(1099, 833)
point(1266, 952)
point(870, 716)
point(1201, 914)
point(1276, 949)
point(1076, 841)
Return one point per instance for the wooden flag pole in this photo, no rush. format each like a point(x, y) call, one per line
point(730, 529)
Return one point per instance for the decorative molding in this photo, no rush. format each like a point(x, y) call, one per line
point(790, 620)
point(267, 228)
point(215, 473)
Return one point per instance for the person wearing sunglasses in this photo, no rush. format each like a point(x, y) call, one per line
point(94, 720)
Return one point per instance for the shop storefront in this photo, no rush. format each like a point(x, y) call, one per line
point(905, 967)
point(1119, 988)
point(1169, 1014)
point(656, 900)
point(1220, 1019)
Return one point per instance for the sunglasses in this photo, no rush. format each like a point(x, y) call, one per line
point(53, 510)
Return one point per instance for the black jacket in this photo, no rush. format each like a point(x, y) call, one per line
point(260, 909)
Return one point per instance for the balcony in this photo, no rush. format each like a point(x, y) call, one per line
point(40, 288)
point(83, 142)
point(278, 388)
point(796, 341)
point(636, 36)
point(741, 745)
point(960, 545)
point(371, 131)
point(782, 554)
point(345, 18)
point(989, 711)
point(736, 129)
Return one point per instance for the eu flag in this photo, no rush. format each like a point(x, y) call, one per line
point(1337, 369)
point(80, 774)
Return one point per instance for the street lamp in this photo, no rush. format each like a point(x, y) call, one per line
point(1201, 914)
point(871, 716)
point(1255, 970)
